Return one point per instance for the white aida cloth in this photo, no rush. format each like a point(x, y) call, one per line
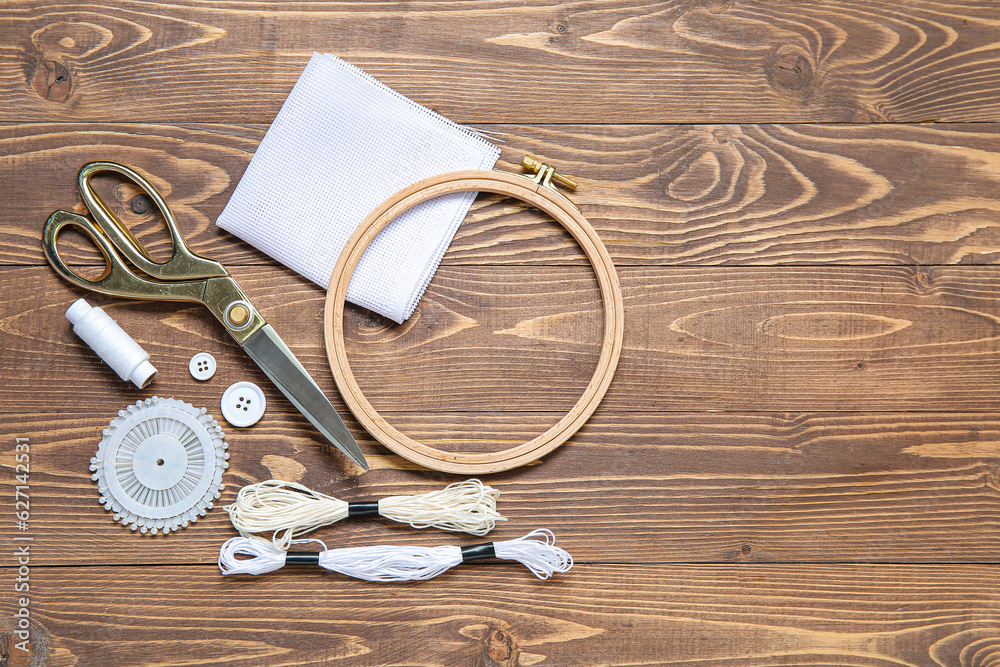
point(342, 144)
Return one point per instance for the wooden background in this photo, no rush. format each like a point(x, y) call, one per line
point(798, 462)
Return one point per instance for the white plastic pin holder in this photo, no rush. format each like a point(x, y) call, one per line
point(159, 466)
point(243, 404)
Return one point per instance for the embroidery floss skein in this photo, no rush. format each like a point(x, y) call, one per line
point(536, 551)
point(111, 343)
point(288, 509)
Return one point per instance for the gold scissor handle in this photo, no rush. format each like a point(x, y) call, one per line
point(221, 294)
point(182, 265)
point(117, 279)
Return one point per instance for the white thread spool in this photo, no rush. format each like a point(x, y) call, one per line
point(111, 343)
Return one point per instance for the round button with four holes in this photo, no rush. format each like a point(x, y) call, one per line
point(243, 404)
point(202, 366)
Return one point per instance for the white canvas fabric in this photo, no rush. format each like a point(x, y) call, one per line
point(342, 144)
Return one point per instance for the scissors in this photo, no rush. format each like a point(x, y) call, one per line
point(187, 276)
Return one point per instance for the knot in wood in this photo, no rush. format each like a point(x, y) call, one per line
point(50, 79)
point(499, 646)
point(789, 68)
point(140, 204)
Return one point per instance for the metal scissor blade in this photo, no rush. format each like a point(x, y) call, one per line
point(274, 358)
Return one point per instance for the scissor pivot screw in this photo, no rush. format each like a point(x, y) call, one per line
point(238, 315)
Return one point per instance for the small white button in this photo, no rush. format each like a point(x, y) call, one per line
point(202, 366)
point(243, 404)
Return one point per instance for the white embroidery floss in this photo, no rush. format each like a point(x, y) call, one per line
point(288, 510)
point(103, 335)
point(384, 563)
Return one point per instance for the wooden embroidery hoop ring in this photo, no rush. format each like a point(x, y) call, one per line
point(566, 214)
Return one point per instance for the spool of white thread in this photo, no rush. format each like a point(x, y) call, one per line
point(111, 343)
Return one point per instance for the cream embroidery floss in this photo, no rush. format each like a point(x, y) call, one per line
point(384, 563)
point(288, 510)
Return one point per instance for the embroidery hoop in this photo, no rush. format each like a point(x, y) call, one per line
point(541, 194)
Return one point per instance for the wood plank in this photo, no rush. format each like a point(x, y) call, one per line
point(526, 339)
point(710, 616)
point(477, 61)
point(628, 488)
point(658, 195)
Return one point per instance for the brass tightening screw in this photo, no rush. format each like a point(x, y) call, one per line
point(239, 315)
point(534, 166)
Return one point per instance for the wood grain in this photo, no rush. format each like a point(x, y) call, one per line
point(799, 460)
point(492, 616)
point(527, 338)
point(602, 62)
point(682, 487)
point(896, 486)
point(658, 195)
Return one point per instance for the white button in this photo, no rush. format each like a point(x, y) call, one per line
point(243, 404)
point(202, 366)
